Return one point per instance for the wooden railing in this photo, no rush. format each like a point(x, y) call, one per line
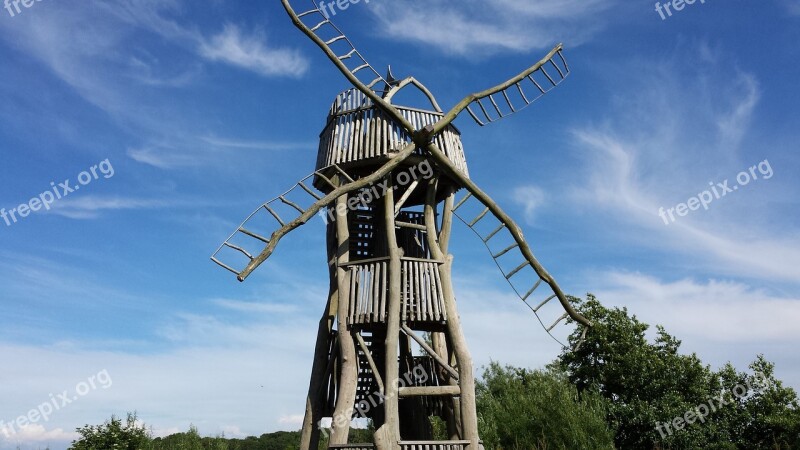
point(434, 445)
point(352, 446)
point(411, 445)
point(366, 132)
point(422, 297)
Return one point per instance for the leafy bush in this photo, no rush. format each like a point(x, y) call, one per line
point(521, 409)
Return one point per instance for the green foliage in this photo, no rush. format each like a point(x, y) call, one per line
point(112, 435)
point(522, 409)
point(650, 384)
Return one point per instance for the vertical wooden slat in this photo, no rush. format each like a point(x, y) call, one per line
point(370, 313)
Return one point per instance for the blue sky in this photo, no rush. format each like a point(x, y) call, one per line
point(206, 109)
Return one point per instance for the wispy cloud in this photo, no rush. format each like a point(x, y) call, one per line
point(251, 52)
point(476, 27)
point(91, 207)
point(667, 136)
point(203, 150)
point(715, 310)
point(531, 198)
point(256, 145)
point(253, 307)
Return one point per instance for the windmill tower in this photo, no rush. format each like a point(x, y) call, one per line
point(387, 182)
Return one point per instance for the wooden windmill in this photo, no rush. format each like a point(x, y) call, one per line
point(386, 181)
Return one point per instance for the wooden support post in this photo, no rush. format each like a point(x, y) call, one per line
point(348, 375)
point(309, 438)
point(469, 413)
point(387, 437)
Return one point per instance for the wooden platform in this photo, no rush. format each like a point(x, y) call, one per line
point(358, 132)
point(411, 445)
point(422, 297)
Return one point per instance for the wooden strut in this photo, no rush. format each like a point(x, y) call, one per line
point(348, 382)
point(309, 437)
point(387, 437)
point(468, 410)
point(410, 333)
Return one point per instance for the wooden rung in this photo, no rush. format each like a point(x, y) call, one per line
point(374, 82)
point(307, 13)
point(530, 77)
point(563, 60)
point(410, 225)
point(485, 113)
point(532, 289)
point(254, 235)
point(224, 266)
point(544, 302)
point(336, 39)
point(550, 79)
point(511, 247)
point(240, 249)
point(515, 271)
point(326, 179)
point(497, 108)
point(361, 67)
point(558, 69)
point(423, 391)
point(522, 93)
point(557, 321)
point(347, 55)
point(310, 192)
point(471, 113)
point(463, 200)
point(493, 233)
point(320, 25)
point(342, 172)
point(508, 100)
point(480, 216)
point(292, 204)
point(275, 215)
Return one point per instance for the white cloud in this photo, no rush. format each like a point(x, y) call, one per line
point(793, 6)
point(256, 145)
point(90, 207)
point(667, 136)
point(714, 311)
point(475, 27)
point(253, 307)
point(294, 420)
point(37, 433)
point(251, 52)
point(163, 158)
point(531, 198)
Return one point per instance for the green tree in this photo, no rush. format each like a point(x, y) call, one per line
point(112, 435)
point(523, 409)
point(655, 393)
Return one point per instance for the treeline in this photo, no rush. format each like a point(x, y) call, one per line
point(613, 390)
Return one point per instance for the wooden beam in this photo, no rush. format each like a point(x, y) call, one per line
point(375, 372)
point(436, 391)
point(348, 381)
point(427, 348)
